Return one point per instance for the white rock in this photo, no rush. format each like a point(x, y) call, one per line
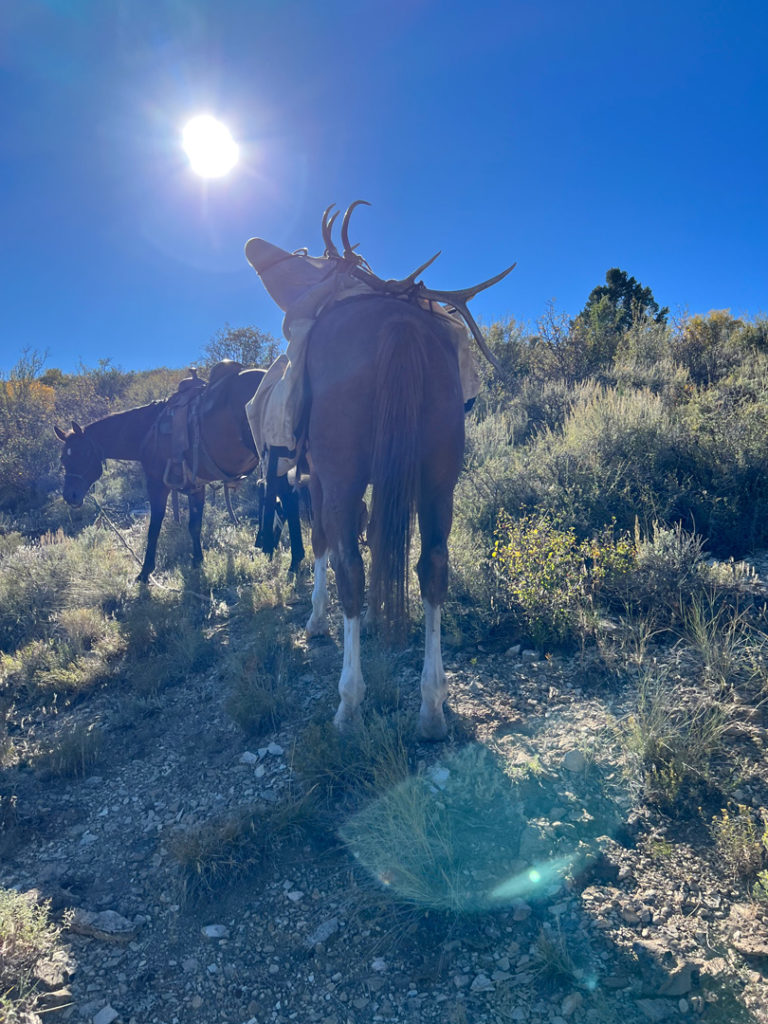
point(324, 931)
point(249, 757)
point(106, 1015)
point(571, 1003)
point(574, 761)
point(215, 931)
point(439, 775)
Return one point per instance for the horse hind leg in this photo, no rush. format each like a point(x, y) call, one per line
point(350, 582)
point(340, 522)
point(196, 503)
point(351, 683)
point(432, 570)
point(290, 502)
point(434, 688)
point(317, 624)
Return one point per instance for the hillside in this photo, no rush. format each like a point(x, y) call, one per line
point(184, 837)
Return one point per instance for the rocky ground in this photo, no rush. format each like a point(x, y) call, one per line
point(571, 902)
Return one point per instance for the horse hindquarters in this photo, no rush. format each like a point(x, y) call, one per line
point(386, 404)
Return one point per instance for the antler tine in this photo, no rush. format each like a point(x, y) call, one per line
point(469, 320)
point(459, 300)
point(407, 282)
point(463, 295)
point(326, 226)
point(393, 287)
point(348, 249)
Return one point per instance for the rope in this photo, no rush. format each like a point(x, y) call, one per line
point(103, 515)
point(171, 590)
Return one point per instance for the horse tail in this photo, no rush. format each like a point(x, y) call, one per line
point(400, 375)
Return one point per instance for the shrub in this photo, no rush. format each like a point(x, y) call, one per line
point(728, 495)
point(553, 577)
point(708, 346)
point(676, 735)
point(671, 572)
point(740, 842)
point(27, 941)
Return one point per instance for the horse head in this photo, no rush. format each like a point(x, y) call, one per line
point(82, 463)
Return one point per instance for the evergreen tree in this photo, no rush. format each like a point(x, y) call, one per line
point(623, 300)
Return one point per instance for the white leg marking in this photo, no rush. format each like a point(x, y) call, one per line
point(318, 620)
point(434, 688)
point(351, 685)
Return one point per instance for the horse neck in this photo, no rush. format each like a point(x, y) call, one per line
point(121, 435)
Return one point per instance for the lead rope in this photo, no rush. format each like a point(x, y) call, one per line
point(172, 590)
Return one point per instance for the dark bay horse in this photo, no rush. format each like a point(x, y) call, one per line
point(216, 441)
point(386, 409)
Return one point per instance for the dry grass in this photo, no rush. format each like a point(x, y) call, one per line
point(218, 852)
point(677, 736)
point(27, 939)
point(76, 750)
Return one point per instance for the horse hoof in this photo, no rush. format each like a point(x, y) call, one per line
point(346, 723)
point(316, 627)
point(432, 729)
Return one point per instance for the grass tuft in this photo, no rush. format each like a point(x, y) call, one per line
point(27, 940)
point(216, 853)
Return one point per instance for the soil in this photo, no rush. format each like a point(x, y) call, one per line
point(572, 901)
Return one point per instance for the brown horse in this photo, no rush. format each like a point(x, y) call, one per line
point(214, 439)
point(388, 376)
point(386, 409)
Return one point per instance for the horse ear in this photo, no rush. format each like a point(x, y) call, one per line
point(59, 433)
point(77, 428)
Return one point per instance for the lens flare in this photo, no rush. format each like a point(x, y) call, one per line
point(210, 147)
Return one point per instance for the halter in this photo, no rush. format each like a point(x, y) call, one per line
point(94, 450)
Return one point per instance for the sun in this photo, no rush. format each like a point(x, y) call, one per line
point(210, 147)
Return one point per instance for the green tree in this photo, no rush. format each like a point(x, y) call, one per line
point(620, 302)
point(611, 310)
point(246, 345)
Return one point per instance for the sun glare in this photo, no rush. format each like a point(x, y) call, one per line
point(211, 149)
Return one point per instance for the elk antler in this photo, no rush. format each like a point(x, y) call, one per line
point(393, 287)
point(459, 299)
point(326, 227)
point(349, 249)
point(456, 300)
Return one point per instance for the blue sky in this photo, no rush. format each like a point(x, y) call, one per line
point(567, 136)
